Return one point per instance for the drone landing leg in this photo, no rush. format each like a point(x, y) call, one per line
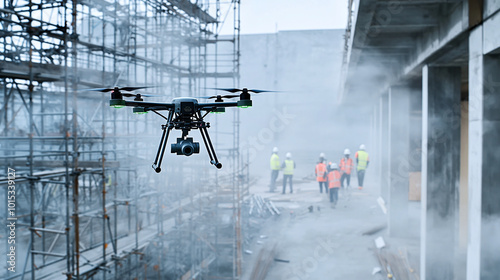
point(210, 148)
point(163, 143)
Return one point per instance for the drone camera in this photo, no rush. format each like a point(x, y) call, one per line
point(185, 147)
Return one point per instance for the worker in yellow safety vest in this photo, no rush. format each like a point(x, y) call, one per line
point(275, 169)
point(362, 161)
point(320, 172)
point(288, 166)
point(346, 167)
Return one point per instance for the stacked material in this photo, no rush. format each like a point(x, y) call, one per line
point(261, 206)
point(394, 263)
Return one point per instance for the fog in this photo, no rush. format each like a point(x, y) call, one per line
point(303, 117)
point(89, 205)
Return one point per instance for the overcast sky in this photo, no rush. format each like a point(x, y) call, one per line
point(269, 16)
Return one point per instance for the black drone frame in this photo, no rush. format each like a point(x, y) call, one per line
point(185, 113)
point(185, 122)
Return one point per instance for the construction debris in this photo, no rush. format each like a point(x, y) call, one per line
point(381, 203)
point(274, 208)
point(379, 242)
point(375, 230)
point(395, 265)
point(262, 206)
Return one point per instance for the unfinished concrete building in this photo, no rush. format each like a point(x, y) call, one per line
point(430, 105)
point(86, 206)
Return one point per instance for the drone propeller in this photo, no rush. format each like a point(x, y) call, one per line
point(220, 96)
point(138, 95)
point(234, 90)
point(111, 89)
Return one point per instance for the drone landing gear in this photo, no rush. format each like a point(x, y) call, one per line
point(164, 139)
point(161, 148)
point(163, 143)
point(210, 147)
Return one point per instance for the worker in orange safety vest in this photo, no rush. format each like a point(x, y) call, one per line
point(320, 172)
point(346, 167)
point(334, 183)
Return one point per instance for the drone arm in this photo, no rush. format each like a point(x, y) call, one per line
point(150, 105)
point(214, 105)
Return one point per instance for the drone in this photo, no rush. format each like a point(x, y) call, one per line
point(185, 114)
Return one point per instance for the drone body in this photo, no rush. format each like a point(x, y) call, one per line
point(185, 114)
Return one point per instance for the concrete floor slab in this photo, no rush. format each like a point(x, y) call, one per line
point(326, 243)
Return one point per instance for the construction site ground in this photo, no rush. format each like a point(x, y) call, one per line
point(312, 240)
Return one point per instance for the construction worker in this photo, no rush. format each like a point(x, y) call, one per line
point(321, 173)
point(346, 166)
point(334, 183)
point(275, 169)
point(362, 161)
point(288, 166)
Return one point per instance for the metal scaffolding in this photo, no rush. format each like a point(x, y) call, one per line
point(87, 203)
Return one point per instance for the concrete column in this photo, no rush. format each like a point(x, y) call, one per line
point(384, 146)
point(374, 148)
point(416, 129)
point(483, 252)
point(399, 147)
point(440, 171)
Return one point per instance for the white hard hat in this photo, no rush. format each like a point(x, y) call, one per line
point(347, 152)
point(334, 166)
point(288, 155)
point(322, 155)
point(275, 149)
point(362, 147)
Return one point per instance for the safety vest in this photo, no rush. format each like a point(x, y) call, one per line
point(275, 162)
point(334, 179)
point(288, 170)
point(108, 180)
point(363, 159)
point(320, 172)
point(346, 165)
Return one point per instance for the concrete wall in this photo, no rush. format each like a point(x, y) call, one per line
point(460, 132)
point(302, 118)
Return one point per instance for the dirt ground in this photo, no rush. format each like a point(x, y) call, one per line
point(327, 243)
